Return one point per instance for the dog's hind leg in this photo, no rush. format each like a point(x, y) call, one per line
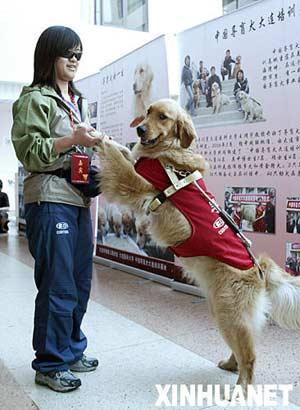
point(231, 364)
point(240, 340)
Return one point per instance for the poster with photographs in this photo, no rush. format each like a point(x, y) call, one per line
point(242, 100)
point(293, 215)
point(89, 86)
point(252, 209)
point(93, 113)
point(21, 207)
point(126, 238)
point(292, 263)
point(129, 85)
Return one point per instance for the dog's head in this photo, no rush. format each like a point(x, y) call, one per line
point(127, 221)
point(215, 89)
point(143, 77)
point(238, 60)
point(243, 96)
point(142, 231)
point(196, 85)
point(166, 124)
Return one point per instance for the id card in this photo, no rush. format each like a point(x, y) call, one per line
point(79, 168)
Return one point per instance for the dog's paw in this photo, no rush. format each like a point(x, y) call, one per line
point(228, 365)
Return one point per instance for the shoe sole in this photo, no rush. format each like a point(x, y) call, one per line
point(62, 390)
point(85, 370)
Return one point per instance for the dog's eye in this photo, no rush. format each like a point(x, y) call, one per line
point(162, 117)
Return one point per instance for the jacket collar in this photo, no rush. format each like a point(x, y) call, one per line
point(50, 92)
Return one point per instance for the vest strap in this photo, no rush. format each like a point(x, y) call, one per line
point(177, 184)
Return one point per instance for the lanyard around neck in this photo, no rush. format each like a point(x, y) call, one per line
point(71, 115)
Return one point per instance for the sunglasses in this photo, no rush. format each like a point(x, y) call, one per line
point(70, 54)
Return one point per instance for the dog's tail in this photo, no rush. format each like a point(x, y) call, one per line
point(283, 290)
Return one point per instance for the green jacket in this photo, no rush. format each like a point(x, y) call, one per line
point(39, 116)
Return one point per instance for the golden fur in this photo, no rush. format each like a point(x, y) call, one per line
point(196, 93)
point(237, 66)
point(239, 300)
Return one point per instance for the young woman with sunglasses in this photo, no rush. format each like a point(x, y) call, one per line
point(45, 135)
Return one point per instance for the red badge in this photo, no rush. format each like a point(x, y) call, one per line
point(80, 168)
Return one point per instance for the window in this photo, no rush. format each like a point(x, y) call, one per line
point(112, 12)
point(131, 14)
point(231, 5)
point(133, 5)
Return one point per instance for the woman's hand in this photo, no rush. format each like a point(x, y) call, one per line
point(86, 136)
point(83, 135)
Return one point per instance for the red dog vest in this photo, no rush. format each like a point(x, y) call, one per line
point(210, 234)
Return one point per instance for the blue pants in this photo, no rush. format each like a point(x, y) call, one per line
point(61, 242)
point(190, 103)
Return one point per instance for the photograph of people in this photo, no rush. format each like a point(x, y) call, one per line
point(293, 215)
point(259, 224)
point(214, 78)
point(252, 208)
point(227, 66)
point(237, 214)
point(202, 70)
point(270, 212)
point(228, 205)
point(292, 263)
point(290, 222)
point(187, 81)
point(223, 99)
point(4, 208)
point(241, 84)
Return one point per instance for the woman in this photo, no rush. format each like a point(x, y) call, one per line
point(237, 214)
point(241, 84)
point(45, 135)
point(187, 81)
point(259, 224)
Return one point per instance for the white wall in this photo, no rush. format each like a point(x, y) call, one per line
point(171, 16)
point(8, 161)
point(21, 23)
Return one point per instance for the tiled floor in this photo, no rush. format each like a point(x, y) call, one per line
point(144, 333)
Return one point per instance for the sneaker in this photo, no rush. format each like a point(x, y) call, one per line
point(85, 364)
point(61, 381)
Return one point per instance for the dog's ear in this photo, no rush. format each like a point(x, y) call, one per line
point(134, 123)
point(185, 130)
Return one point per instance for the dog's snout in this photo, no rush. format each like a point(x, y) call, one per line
point(141, 130)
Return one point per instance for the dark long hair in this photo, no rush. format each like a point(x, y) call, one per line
point(237, 75)
point(54, 42)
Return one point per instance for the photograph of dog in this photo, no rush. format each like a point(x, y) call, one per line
point(118, 227)
point(128, 221)
point(142, 231)
point(240, 298)
point(142, 88)
point(218, 99)
point(252, 208)
point(251, 107)
point(237, 66)
point(196, 93)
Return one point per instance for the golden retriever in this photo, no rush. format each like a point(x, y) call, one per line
point(196, 93)
point(142, 87)
point(237, 66)
point(239, 299)
point(251, 107)
point(142, 225)
point(218, 99)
